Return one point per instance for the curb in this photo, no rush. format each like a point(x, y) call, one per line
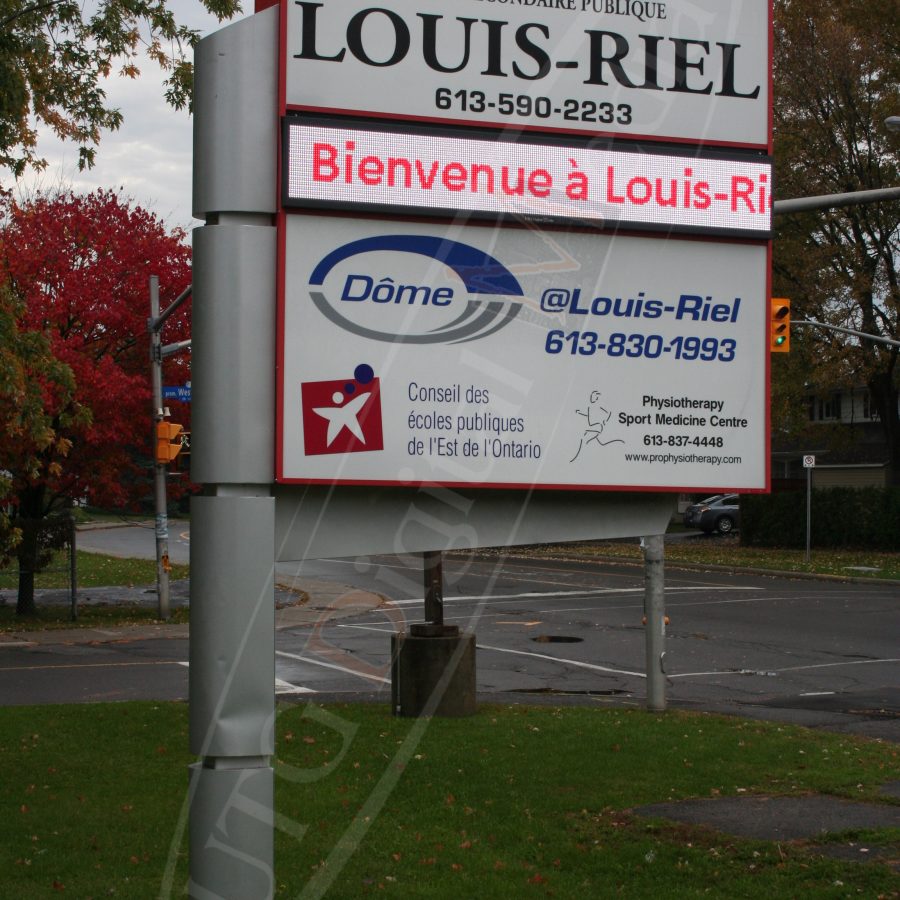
point(326, 601)
point(695, 567)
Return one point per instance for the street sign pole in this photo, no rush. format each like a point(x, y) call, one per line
point(160, 470)
point(808, 511)
point(809, 463)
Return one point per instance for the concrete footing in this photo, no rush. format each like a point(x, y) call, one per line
point(433, 674)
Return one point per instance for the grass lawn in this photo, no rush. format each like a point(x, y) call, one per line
point(90, 615)
point(727, 551)
point(514, 802)
point(94, 570)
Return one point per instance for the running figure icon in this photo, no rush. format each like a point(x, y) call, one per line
point(596, 417)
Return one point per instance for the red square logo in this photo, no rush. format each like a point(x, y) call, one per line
point(344, 415)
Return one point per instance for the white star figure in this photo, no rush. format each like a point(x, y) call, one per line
point(341, 417)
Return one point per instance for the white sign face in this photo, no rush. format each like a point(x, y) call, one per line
point(467, 355)
point(809, 462)
point(694, 71)
point(439, 174)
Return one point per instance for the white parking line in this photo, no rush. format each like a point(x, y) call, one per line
point(325, 665)
point(549, 595)
point(285, 687)
point(568, 662)
point(829, 665)
point(281, 687)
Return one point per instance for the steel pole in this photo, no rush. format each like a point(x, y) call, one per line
point(655, 625)
point(434, 587)
point(160, 471)
point(834, 201)
point(73, 568)
point(808, 511)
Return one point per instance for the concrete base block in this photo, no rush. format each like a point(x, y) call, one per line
point(433, 675)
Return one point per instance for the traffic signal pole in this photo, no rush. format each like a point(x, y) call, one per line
point(160, 468)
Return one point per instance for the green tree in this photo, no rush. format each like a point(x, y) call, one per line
point(837, 78)
point(54, 55)
point(36, 407)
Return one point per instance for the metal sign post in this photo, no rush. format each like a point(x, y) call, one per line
point(809, 463)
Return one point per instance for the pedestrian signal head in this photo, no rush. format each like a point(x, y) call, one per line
point(168, 442)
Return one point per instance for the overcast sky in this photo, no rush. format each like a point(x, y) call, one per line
point(149, 157)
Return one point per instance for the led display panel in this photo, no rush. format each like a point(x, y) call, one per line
point(344, 165)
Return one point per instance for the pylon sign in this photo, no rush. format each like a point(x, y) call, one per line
point(574, 338)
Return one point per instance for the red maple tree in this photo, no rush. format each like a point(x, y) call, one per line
point(79, 267)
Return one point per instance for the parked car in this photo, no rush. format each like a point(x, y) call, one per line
point(719, 513)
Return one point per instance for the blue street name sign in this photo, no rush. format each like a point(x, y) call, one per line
point(180, 392)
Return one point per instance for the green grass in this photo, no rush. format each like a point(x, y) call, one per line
point(90, 615)
point(96, 570)
point(514, 802)
point(727, 551)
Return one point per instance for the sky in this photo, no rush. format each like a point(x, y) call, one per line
point(149, 158)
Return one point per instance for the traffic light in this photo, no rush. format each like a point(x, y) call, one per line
point(779, 325)
point(168, 442)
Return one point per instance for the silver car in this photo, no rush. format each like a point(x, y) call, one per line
point(720, 513)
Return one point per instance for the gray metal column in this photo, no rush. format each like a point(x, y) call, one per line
point(655, 624)
point(232, 664)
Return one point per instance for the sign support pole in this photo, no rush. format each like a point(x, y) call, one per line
point(434, 588)
point(809, 463)
point(232, 664)
point(655, 626)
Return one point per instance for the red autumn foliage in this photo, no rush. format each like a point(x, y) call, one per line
point(81, 264)
point(76, 270)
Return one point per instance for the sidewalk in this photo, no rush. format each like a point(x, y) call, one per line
point(303, 602)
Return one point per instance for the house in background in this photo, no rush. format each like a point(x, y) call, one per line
point(844, 434)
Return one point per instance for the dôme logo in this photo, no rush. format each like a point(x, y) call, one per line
point(349, 292)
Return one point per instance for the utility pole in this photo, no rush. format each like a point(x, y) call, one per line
point(160, 468)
